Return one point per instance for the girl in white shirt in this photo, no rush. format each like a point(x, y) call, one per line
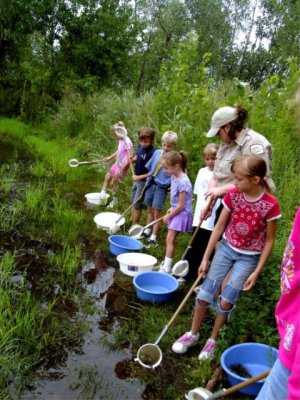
point(195, 254)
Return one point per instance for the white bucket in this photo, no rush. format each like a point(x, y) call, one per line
point(97, 198)
point(107, 221)
point(93, 198)
point(133, 263)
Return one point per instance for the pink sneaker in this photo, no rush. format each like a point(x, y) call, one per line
point(185, 342)
point(207, 353)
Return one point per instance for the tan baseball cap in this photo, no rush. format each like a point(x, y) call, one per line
point(221, 117)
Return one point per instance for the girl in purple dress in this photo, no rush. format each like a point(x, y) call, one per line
point(179, 217)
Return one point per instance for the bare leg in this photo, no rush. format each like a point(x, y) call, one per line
point(150, 216)
point(170, 241)
point(136, 214)
point(157, 214)
point(114, 185)
point(107, 181)
point(220, 320)
point(199, 314)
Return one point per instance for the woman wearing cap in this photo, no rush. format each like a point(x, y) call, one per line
point(229, 124)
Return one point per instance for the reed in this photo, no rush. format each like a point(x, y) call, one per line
point(19, 318)
point(34, 197)
point(67, 262)
point(11, 216)
point(54, 155)
point(7, 265)
point(30, 331)
point(7, 178)
point(67, 225)
point(91, 381)
point(39, 169)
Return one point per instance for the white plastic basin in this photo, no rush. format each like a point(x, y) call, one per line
point(133, 263)
point(93, 198)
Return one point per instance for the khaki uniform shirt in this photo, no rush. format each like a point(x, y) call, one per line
point(248, 142)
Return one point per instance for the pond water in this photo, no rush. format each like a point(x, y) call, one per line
point(92, 370)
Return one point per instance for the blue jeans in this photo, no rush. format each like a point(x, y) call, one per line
point(275, 386)
point(240, 266)
point(137, 189)
point(155, 196)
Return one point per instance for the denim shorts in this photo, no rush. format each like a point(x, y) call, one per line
point(155, 196)
point(275, 386)
point(137, 189)
point(225, 259)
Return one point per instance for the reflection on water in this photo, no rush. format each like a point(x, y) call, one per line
point(92, 370)
point(97, 372)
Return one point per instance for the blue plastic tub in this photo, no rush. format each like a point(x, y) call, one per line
point(154, 286)
point(256, 358)
point(120, 244)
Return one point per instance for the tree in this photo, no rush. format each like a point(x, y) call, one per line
point(46, 45)
point(279, 26)
point(100, 42)
point(272, 25)
point(165, 25)
point(16, 24)
point(211, 21)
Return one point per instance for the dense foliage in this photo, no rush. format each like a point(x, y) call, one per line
point(47, 47)
point(73, 68)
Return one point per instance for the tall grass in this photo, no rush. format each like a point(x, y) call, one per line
point(31, 328)
point(53, 154)
point(67, 261)
point(11, 216)
point(67, 224)
point(7, 178)
point(21, 321)
point(101, 110)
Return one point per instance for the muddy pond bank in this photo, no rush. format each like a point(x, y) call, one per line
point(87, 367)
point(90, 323)
point(94, 370)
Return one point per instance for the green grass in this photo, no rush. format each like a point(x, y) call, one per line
point(31, 329)
point(46, 208)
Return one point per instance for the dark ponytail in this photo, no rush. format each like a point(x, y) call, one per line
point(184, 160)
point(239, 123)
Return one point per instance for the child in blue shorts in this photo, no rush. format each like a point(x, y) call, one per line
point(144, 153)
point(158, 183)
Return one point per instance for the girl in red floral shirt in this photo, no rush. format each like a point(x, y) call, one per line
point(247, 225)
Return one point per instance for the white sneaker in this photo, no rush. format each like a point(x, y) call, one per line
point(146, 233)
point(164, 269)
point(151, 243)
point(185, 342)
point(207, 353)
point(113, 203)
